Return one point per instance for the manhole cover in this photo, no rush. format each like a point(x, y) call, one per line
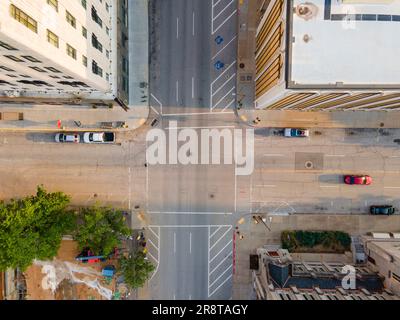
point(309, 165)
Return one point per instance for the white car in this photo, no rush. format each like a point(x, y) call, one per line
point(68, 137)
point(99, 137)
point(290, 132)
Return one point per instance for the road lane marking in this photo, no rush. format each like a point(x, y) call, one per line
point(177, 28)
point(392, 187)
point(158, 101)
point(274, 155)
point(334, 155)
point(174, 242)
point(152, 108)
point(220, 100)
point(129, 188)
point(208, 264)
point(190, 226)
point(228, 105)
point(154, 233)
point(157, 248)
point(219, 239)
point(220, 276)
point(221, 251)
point(219, 264)
point(234, 12)
point(192, 87)
point(215, 232)
point(193, 25)
point(221, 87)
point(233, 63)
point(223, 48)
point(196, 114)
point(190, 242)
point(230, 276)
point(177, 91)
point(265, 186)
point(189, 213)
point(215, 127)
point(222, 11)
point(329, 186)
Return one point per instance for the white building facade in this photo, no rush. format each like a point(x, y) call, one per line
point(55, 47)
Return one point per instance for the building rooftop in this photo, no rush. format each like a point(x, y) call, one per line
point(344, 43)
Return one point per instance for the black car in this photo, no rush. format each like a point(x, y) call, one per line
point(384, 210)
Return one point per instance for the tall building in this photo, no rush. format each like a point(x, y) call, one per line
point(328, 55)
point(60, 48)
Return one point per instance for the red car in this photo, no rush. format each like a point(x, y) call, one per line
point(350, 179)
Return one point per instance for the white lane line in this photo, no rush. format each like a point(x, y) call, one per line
point(223, 48)
point(190, 243)
point(192, 87)
point(219, 277)
point(129, 187)
point(219, 228)
point(329, 186)
point(392, 187)
point(230, 66)
point(197, 114)
point(151, 256)
point(177, 28)
point(158, 251)
point(234, 12)
point(228, 105)
point(177, 91)
point(215, 127)
point(221, 250)
point(174, 242)
point(220, 88)
point(151, 242)
point(230, 276)
point(208, 264)
point(222, 261)
point(189, 213)
point(147, 180)
point(220, 100)
point(158, 101)
point(219, 239)
point(174, 297)
point(265, 186)
point(226, 7)
point(190, 225)
point(214, 4)
point(154, 110)
point(190, 297)
point(274, 155)
point(193, 25)
point(151, 229)
point(334, 155)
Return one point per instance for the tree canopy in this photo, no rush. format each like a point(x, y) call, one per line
point(100, 229)
point(135, 269)
point(32, 228)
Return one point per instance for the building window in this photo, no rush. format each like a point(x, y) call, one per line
point(108, 31)
point(11, 75)
point(96, 69)
point(37, 69)
point(107, 7)
point(14, 58)
point(84, 60)
point(52, 38)
point(107, 77)
point(53, 69)
point(70, 19)
point(7, 69)
point(54, 77)
point(96, 44)
point(23, 18)
point(67, 77)
point(84, 32)
point(7, 46)
point(96, 17)
point(31, 59)
point(84, 4)
point(53, 3)
point(24, 76)
point(71, 51)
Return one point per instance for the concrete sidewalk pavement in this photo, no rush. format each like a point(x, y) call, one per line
point(45, 118)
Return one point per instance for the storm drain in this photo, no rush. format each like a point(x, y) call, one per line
point(309, 161)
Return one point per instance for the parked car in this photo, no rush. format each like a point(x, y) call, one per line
point(99, 137)
point(357, 179)
point(68, 137)
point(290, 132)
point(383, 210)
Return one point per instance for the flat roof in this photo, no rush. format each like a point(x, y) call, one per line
point(361, 51)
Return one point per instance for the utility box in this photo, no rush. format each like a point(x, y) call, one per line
point(11, 116)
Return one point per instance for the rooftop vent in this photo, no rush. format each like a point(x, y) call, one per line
point(306, 10)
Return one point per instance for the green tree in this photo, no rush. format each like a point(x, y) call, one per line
point(32, 228)
point(135, 269)
point(100, 229)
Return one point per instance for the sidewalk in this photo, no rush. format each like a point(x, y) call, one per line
point(45, 118)
point(248, 16)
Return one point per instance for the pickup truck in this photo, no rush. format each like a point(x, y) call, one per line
point(290, 132)
point(99, 137)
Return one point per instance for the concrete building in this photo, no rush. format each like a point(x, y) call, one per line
point(61, 49)
point(384, 256)
point(322, 55)
point(281, 277)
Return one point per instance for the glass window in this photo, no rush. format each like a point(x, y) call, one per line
point(31, 59)
point(23, 18)
point(52, 38)
point(70, 19)
point(84, 60)
point(53, 3)
point(71, 51)
point(84, 4)
point(37, 69)
point(7, 46)
point(53, 69)
point(7, 69)
point(14, 58)
point(84, 32)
